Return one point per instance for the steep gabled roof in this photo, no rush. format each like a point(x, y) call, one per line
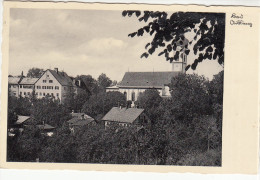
point(147, 79)
point(30, 81)
point(62, 78)
point(125, 115)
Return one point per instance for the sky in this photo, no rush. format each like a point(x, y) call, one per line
point(84, 42)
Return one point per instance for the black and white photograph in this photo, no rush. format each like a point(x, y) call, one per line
point(133, 87)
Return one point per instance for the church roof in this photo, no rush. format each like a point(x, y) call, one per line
point(124, 115)
point(147, 79)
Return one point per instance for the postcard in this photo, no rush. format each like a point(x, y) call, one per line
point(130, 87)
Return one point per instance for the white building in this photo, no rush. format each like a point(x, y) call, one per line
point(13, 85)
point(51, 83)
point(54, 83)
point(134, 83)
point(26, 86)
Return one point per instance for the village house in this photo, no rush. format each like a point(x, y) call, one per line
point(54, 83)
point(125, 117)
point(13, 85)
point(80, 119)
point(26, 86)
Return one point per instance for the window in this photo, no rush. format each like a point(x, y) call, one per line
point(47, 75)
point(40, 93)
point(38, 87)
point(21, 86)
point(20, 93)
point(133, 96)
point(57, 94)
point(51, 94)
point(48, 94)
point(50, 81)
point(44, 81)
point(43, 87)
point(43, 94)
point(56, 87)
point(28, 93)
point(24, 93)
point(125, 93)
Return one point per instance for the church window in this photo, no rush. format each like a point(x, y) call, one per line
point(133, 96)
point(125, 93)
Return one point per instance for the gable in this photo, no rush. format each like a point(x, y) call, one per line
point(47, 75)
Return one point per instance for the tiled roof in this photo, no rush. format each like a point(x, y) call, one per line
point(13, 80)
point(127, 115)
point(45, 127)
point(147, 79)
point(78, 121)
point(30, 81)
point(22, 119)
point(62, 78)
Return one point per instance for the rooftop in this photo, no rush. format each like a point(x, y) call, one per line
point(62, 78)
point(13, 80)
point(128, 115)
point(30, 81)
point(147, 79)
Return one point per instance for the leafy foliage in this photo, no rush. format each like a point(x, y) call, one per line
point(190, 96)
point(103, 102)
point(35, 73)
point(104, 81)
point(149, 100)
point(169, 32)
point(47, 110)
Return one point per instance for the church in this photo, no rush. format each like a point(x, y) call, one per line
point(134, 83)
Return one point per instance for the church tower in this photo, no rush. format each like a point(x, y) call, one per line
point(180, 64)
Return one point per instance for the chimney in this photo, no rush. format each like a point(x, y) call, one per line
point(56, 70)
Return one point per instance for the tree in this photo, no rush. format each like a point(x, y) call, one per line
point(169, 32)
point(190, 97)
point(103, 102)
point(35, 72)
point(104, 81)
point(89, 83)
point(50, 111)
point(216, 87)
point(150, 100)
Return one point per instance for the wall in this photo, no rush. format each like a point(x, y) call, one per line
point(47, 76)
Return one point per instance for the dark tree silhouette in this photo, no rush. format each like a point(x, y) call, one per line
point(35, 72)
point(169, 31)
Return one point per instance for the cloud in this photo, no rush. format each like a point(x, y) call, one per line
point(105, 44)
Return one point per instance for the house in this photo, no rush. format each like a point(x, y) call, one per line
point(79, 120)
point(13, 85)
point(46, 129)
point(54, 83)
point(126, 117)
point(26, 86)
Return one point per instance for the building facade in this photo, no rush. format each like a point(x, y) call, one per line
point(134, 83)
point(126, 117)
point(51, 83)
